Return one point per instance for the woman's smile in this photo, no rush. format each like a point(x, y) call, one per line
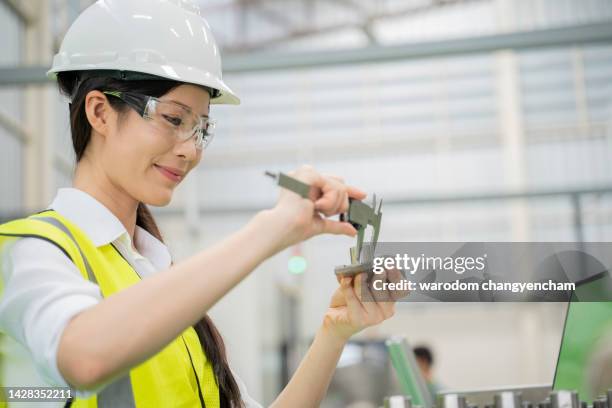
point(173, 174)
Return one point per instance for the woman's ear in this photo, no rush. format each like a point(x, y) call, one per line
point(98, 111)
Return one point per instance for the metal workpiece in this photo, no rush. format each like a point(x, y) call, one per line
point(564, 399)
point(352, 270)
point(600, 402)
point(398, 401)
point(363, 264)
point(453, 401)
point(545, 403)
point(508, 399)
point(514, 399)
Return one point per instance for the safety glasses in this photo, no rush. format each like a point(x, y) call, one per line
point(170, 118)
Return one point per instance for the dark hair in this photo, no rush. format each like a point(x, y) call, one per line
point(423, 352)
point(76, 85)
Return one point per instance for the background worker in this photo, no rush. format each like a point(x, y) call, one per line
point(425, 360)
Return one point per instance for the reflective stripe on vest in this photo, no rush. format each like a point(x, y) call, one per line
point(177, 375)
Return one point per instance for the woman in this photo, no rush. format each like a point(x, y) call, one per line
point(75, 289)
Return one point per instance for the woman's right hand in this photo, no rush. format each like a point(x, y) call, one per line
point(301, 218)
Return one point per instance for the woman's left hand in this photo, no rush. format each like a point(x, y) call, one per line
point(349, 312)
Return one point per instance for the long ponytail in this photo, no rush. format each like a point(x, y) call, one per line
point(210, 338)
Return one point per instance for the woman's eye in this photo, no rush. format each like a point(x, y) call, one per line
point(173, 120)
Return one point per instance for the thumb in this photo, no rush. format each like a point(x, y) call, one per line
point(338, 227)
point(337, 298)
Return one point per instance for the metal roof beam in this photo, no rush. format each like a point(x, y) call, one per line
point(302, 32)
point(565, 36)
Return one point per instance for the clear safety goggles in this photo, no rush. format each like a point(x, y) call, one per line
point(170, 118)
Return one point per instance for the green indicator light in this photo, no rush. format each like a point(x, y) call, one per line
point(297, 264)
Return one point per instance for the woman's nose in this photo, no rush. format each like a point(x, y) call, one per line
point(186, 149)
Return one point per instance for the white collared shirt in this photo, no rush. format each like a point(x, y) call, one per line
point(44, 290)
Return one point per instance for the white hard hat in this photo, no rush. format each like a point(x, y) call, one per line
point(163, 38)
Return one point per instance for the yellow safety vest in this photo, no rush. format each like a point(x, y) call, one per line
point(179, 375)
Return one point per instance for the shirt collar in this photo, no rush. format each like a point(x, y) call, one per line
point(103, 227)
point(152, 248)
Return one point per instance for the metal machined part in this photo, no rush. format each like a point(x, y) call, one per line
point(454, 401)
point(600, 403)
point(545, 404)
point(398, 401)
point(363, 264)
point(352, 270)
point(564, 399)
point(508, 399)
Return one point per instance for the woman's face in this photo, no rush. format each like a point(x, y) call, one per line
point(148, 163)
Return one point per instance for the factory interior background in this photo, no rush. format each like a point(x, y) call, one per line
point(474, 120)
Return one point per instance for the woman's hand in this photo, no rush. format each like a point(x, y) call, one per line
point(355, 306)
point(303, 218)
point(348, 313)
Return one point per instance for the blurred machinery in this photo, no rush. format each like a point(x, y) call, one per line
point(363, 377)
point(584, 366)
point(509, 399)
point(516, 399)
point(585, 357)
